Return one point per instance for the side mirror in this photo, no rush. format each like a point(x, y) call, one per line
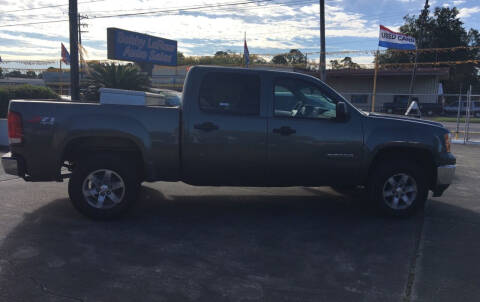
point(341, 111)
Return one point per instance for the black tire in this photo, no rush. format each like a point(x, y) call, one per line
point(122, 170)
point(396, 168)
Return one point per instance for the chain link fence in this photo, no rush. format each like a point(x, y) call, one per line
point(460, 113)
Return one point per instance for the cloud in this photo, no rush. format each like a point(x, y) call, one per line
point(273, 26)
point(466, 12)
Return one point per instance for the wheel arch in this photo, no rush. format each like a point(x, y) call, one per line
point(420, 156)
point(84, 146)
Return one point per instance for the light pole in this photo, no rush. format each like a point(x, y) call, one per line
point(323, 74)
point(74, 80)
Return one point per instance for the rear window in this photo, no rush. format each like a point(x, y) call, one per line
point(230, 93)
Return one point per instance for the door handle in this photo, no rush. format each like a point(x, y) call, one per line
point(284, 130)
point(207, 126)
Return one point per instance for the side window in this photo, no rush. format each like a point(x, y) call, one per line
point(230, 93)
point(301, 99)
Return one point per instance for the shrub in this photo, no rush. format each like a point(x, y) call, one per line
point(22, 92)
point(111, 75)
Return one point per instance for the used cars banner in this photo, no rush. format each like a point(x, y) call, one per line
point(391, 39)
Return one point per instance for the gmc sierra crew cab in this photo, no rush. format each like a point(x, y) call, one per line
point(232, 127)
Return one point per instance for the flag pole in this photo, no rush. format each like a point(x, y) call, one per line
point(374, 93)
point(412, 79)
point(244, 54)
point(61, 78)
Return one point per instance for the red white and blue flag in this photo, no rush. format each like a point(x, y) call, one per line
point(246, 54)
point(65, 55)
point(390, 39)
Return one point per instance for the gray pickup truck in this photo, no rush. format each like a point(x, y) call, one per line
point(233, 127)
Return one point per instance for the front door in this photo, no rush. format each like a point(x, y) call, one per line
point(225, 141)
point(307, 145)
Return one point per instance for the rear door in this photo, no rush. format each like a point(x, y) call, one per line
point(225, 139)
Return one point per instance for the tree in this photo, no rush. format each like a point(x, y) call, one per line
point(280, 59)
point(111, 75)
point(335, 64)
point(15, 74)
point(31, 74)
point(221, 53)
point(349, 64)
point(1, 73)
point(345, 63)
point(293, 57)
point(180, 58)
point(443, 29)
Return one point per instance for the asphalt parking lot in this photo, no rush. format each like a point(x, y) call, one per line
point(184, 243)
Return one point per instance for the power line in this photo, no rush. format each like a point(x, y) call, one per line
point(143, 13)
point(43, 7)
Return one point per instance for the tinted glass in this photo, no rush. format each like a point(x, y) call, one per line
point(230, 93)
point(301, 99)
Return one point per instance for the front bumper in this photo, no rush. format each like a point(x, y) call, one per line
point(13, 165)
point(445, 176)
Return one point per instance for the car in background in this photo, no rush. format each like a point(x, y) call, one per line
point(452, 109)
point(400, 106)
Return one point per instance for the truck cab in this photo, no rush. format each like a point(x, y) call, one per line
point(267, 129)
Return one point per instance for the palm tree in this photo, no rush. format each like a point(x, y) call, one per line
point(111, 75)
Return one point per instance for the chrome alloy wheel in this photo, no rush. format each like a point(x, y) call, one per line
point(103, 189)
point(400, 191)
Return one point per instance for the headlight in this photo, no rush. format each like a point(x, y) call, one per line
point(447, 138)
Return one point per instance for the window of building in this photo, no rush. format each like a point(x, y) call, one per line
point(230, 93)
point(301, 99)
point(359, 98)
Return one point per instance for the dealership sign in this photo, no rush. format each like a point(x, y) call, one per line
point(131, 46)
point(391, 39)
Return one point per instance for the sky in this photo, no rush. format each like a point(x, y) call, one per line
point(271, 26)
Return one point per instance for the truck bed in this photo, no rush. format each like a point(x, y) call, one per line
point(49, 126)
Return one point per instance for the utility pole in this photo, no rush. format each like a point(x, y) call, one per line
point(321, 69)
point(423, 17)
point(80, 31)
point(74, 80)
point(80, 26)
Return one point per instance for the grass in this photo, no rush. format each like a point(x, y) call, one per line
point(454, 119)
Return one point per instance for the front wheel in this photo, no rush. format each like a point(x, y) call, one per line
point(103, 187)
point(399, 188)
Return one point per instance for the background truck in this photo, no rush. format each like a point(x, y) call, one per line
point(233, 127)
point(400, 106)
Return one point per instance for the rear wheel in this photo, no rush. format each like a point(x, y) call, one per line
point(399, 187)
point(103, 187)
